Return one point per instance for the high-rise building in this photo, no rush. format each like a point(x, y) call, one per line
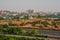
point(30, 11)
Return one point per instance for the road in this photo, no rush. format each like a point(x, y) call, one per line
point(9, 35)
point(54, 33)
point(48, 32)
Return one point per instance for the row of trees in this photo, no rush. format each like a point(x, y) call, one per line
point(18, 31)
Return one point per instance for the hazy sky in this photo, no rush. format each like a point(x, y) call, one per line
point(22, 5)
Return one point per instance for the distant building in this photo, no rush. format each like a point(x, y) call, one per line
point(30, 11)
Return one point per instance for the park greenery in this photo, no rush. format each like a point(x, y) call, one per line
point(17, 31)
point(20, 31)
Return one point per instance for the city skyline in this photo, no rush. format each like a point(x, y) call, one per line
point(37, 5)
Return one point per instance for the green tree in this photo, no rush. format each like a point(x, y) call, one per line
point(11, 38)
point(23, 32)
point(42, 39)
point(11, 30)
point(5, 31)
point(1, 29)
point(5, 26)
point(41, 26)
point(17, 31)
point(34, 32)
point(1, 18)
